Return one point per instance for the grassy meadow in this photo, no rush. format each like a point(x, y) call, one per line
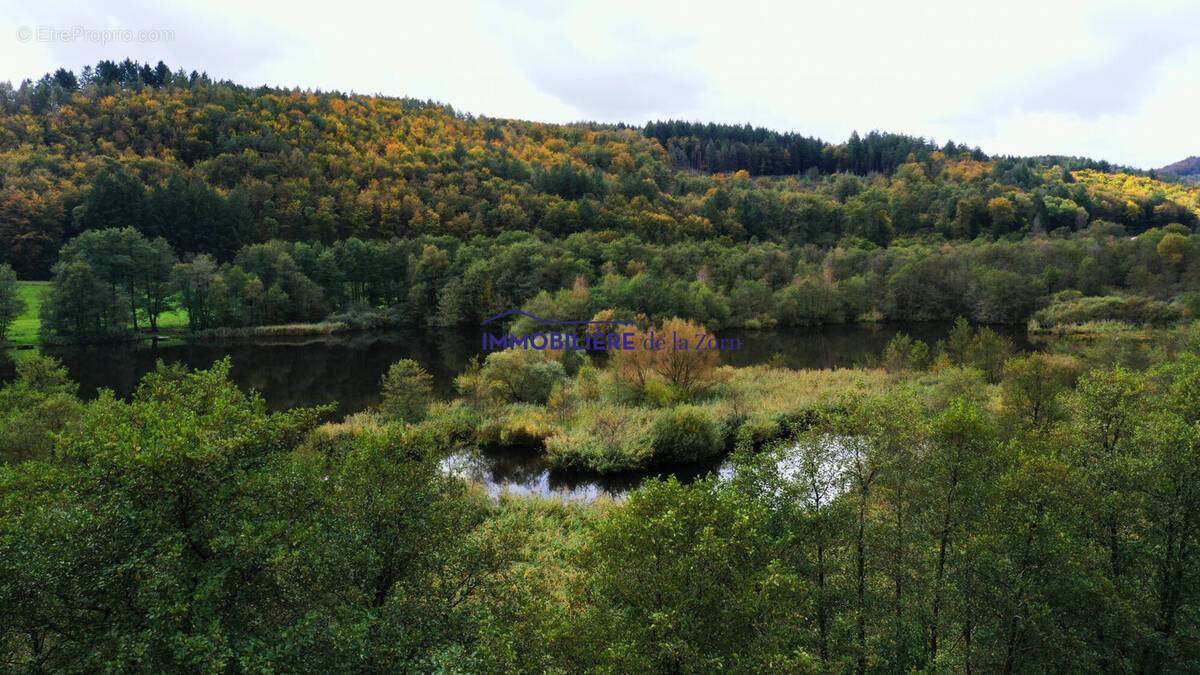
point(25, 329)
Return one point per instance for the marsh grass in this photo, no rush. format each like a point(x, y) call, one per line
point(352, 425)
point(519, 424)
point(610, 433)
point(1092, 328)
point(323, 328)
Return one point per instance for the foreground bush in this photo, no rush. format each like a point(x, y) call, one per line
point(683, 580)
point(190, 529)
point(34, 406)
point(903, 529)
point(685, 434)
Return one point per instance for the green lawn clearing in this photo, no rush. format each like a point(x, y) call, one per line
point(24, 330)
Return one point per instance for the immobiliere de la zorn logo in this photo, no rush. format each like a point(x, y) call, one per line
point(608, 338)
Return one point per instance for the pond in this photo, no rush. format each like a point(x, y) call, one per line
point(345, 371)
point(522, 471)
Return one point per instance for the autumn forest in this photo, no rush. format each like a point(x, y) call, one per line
point(971, 503)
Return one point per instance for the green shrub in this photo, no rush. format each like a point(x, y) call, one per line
point(981, 348)
point(957, 382)
point(539, 380)
point(587, 383)
point(519, 375)
point(407, 389)
point(659, 394)
point(1033, 384)
point(573, 360)
point(455, 421)
point(685, 434)
point(761, 427)
point(35, 405)
point(904, 353)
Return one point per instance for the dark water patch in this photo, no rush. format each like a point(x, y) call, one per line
point(287, 372)
point(524, 471)
point(347, 369)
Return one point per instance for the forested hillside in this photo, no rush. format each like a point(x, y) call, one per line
point(213, 166)
point(247, 207)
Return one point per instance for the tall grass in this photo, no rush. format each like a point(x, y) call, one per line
point(323, 328)
point(609, 434)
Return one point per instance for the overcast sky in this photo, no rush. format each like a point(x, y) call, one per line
point(1109, 79)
